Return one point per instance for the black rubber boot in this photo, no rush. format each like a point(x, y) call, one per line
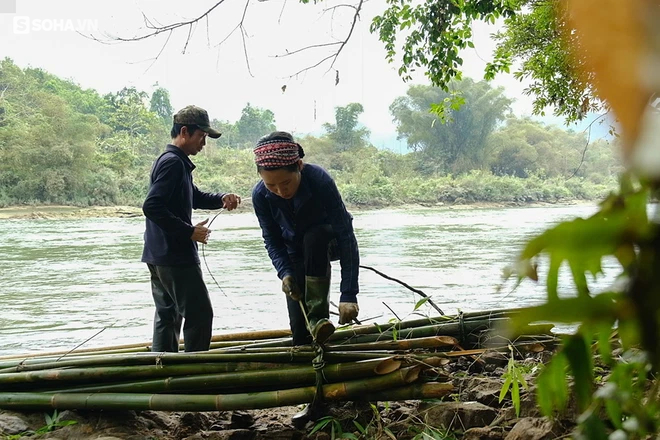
point(317, 301)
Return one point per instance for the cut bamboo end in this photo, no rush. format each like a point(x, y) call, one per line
point(387, 366)
point(411, 374)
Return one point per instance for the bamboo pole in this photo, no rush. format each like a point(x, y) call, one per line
point(349, 390)
point(405, 344)
point(282, 355)
point(416, 391)
point(289, 356)
point(106, 374)
point(287, 377)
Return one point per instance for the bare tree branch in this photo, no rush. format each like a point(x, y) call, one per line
point(243, 35)
point(313, 46)
point(332, 8)
point(159, 29)
point(155, 29)
point(342, 43)
point(584, 151)
point(160, 52)
point(279, 19)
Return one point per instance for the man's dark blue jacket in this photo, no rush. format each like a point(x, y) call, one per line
point(316, 202)
point(168, 207)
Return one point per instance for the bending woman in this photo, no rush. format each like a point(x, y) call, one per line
point(305, 225)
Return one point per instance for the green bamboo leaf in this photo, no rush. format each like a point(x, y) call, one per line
point(505, 388)
point(560, 382)
point(593, 427)
point(629, 332)
point(515, 397)
point(420, 303)
point(521, 379)
point(553, 278)
point(552, 389)
point(578, 354)
point(569, 310)
point(614, 412)
point(359, 427)
point(321, 423)
point(604, 346)
point(387, 431)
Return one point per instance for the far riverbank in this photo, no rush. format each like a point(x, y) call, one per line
point(53, 212)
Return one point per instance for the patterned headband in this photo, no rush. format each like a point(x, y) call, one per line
point(276, 154)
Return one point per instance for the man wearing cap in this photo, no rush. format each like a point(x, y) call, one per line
point(170, 239)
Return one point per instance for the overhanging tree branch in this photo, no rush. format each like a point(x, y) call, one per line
point(342, 44)
point(584, 151)
point(155, 29)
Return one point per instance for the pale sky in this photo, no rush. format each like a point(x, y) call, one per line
point(216, 77)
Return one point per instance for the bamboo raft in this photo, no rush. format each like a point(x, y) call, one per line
point(254, 370)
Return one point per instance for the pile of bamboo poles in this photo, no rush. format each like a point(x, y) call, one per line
point(385, 362)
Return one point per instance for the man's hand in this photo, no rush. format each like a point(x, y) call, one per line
point(290, 288)
point(348, 312)
point(201, 233)
point(231, 201)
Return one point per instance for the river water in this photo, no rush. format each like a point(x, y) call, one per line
point(64, 281)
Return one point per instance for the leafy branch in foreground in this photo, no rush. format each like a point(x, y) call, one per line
point(622, 231)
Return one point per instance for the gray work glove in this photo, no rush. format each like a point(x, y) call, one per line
point(348, 312)
point(290, 288)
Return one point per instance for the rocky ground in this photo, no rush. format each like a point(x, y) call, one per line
point(472, 412)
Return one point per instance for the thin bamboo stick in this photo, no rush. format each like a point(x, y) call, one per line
point(242, 336)
point(372, 334)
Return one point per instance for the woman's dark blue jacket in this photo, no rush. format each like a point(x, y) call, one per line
point(316, 202)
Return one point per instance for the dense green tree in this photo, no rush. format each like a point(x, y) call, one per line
point(160, 104)
point(253, 123)
point(130, 113)
point(62, 144)
point(524, 147)
point(46, 147)
point(229, 136)
point(433, 33)
point(460, 144)
point(346, 133)
point(534, 40)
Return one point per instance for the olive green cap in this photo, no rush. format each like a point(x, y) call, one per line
point(193, 115)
